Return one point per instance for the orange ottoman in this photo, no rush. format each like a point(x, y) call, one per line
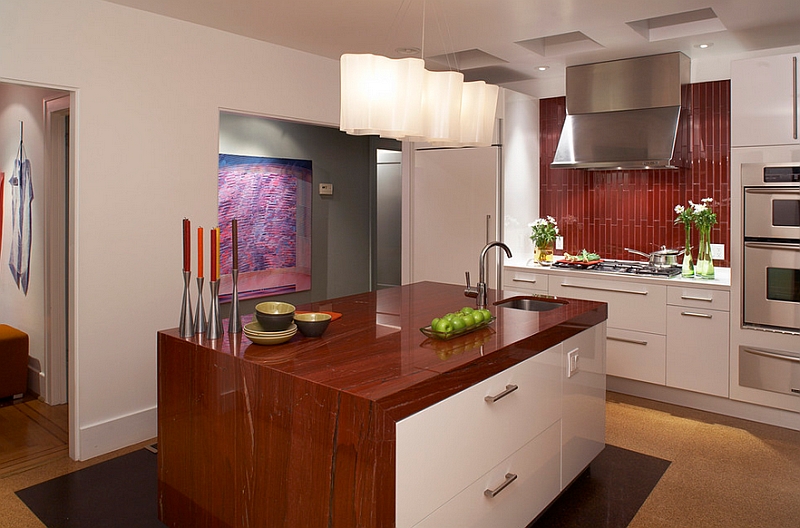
point(13, 362)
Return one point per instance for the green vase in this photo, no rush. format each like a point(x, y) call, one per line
point(687, 268)
point(704, 269)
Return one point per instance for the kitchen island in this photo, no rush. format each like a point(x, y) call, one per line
point(376, 425)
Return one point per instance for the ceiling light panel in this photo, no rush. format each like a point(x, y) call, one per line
point(558, 45)
point(678, 25)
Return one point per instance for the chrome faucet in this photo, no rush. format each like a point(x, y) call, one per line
point(479, 291)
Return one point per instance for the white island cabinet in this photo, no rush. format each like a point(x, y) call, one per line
point(764, 101)
point(497, 453)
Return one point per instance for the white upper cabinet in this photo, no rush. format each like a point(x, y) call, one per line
point(764, 101)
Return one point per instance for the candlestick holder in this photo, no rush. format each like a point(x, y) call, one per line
point(200, 325)
point(186, 326)
point(235, 319)
point(214, 316)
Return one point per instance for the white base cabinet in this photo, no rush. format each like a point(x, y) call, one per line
point(495, 453)
point(698, 329)
point(636, 323)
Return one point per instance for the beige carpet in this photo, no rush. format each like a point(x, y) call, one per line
point(724, 472)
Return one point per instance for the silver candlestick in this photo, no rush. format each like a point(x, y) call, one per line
point(235, 319)
point(214, 315)
point(200, 325)
point(186, 326)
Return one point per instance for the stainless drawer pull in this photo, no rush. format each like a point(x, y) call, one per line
point(774, 355)
point(623, 340)
point(509, 390)
point(510, 477)
point(637, 292)
point(695, 314)
point(532, 281)
point(690, 298)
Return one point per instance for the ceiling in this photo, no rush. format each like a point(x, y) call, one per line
point(501, 41)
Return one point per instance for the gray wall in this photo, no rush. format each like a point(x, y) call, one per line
point(341, 259)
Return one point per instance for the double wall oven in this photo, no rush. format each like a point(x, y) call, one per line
point(771, 264)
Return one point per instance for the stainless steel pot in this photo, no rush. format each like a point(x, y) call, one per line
point(663, 258)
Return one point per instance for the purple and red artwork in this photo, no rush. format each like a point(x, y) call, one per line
point(270, 198)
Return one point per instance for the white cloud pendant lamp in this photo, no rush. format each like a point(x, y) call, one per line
point(381, 96)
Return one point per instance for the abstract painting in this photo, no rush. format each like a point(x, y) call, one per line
point(271, 201)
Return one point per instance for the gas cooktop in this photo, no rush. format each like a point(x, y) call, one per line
point(624, 267)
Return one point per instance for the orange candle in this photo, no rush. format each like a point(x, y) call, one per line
point(212, 238)
point(199, 252)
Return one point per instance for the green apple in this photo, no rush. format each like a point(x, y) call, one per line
point(467, 309)
point(478, 316)
point(443, 326)
point(433, 323)
point(487, 315)
point(459, 324)
point(469, 319)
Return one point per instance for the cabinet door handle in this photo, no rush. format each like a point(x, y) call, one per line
point(510, 477)
point(623, 340)
point(691, 298)
point(635, 292)
point(695, 314)
point(794, 97)
point(532, 281)
point(509, 390)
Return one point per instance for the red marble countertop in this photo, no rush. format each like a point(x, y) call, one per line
point(376, 350)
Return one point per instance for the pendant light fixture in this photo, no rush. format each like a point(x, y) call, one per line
point(400, 99)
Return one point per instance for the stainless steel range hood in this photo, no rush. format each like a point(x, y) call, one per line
point(623, 114)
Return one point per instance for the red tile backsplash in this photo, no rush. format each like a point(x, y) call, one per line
point(607, 211)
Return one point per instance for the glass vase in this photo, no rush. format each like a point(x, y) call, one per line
point(704, 269)
point(687, 268)
point(543, 254)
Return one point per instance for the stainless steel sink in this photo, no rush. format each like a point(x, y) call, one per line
point(531, 304)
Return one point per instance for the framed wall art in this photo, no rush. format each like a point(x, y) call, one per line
point(270, 198)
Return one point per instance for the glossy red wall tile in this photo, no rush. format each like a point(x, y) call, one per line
point(608, 211)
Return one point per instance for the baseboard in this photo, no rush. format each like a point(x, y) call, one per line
point(101, 438)
point(705, 402)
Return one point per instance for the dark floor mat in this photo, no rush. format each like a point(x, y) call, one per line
point(118, 493)
point(122, 492)
point(609, 494)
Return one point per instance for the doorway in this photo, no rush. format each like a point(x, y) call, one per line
point(56, 265)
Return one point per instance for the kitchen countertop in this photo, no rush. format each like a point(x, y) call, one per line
point(376, 350)
point(721, 280)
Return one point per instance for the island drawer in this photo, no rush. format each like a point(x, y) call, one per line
point(445, 447)
point(530, 476)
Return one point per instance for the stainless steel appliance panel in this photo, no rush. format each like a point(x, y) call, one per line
point(771, 370)
point(772, 212)
point(772, 285)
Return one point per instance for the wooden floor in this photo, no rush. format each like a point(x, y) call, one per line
point(32, 434)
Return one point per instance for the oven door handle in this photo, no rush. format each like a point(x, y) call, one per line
point(774, 355)
point(772, 245)
point(772, 190)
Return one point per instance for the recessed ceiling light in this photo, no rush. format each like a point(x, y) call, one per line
point(543, 68)
point(408, 51)
point(704, 45)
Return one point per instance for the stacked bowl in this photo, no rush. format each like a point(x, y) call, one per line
point(273, 325)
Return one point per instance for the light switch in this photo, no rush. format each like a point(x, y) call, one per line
point(572, 360)
point(326, 189)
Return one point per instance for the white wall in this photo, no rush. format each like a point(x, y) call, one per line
point(148, 94)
